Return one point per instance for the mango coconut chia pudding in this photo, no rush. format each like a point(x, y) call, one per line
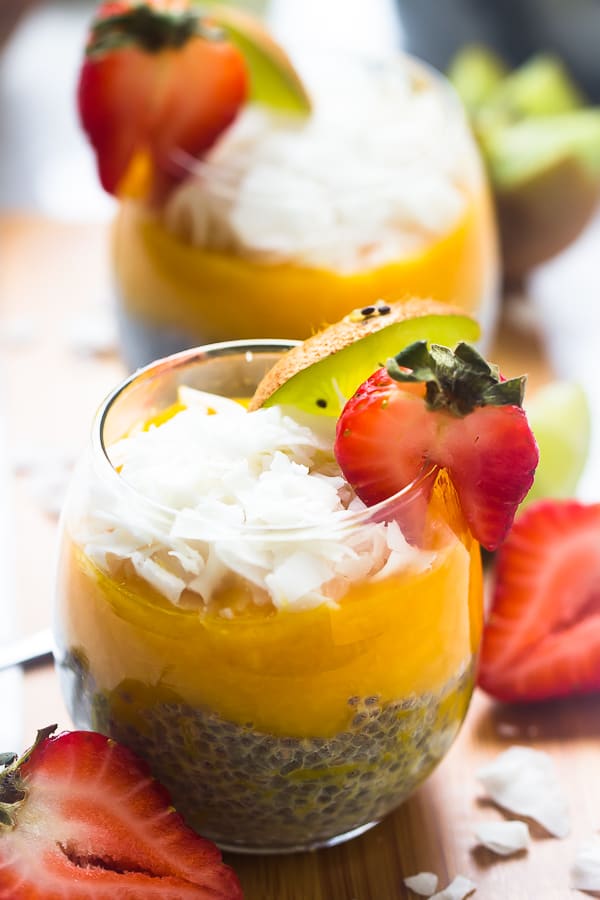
point(290, 662)
point(364, 183)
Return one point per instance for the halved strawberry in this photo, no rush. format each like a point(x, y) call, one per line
point(542, 639)
point(447, 408)
point(80, 816)
point(159, 84)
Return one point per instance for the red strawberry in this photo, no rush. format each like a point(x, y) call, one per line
point(80, 816)
point(158, 85)
point(542, 638)
point(444, 408)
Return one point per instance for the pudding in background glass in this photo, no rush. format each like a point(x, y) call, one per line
point(290, 663)
point(291, 221)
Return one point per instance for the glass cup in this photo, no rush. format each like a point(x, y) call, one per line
point(290, 223)
point(275, 728)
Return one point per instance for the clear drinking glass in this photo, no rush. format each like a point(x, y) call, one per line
point(274, 728)
point(290, 223)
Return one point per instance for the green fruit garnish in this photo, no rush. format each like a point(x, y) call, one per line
point(274, 81)
point(559, 417)
point(518, 152)
point(475, 72)
point(540, 87)
point(541, 147)
point(319, 375)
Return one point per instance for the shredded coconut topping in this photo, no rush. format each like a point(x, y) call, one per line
point(525, 782)
point(376, 172)
point(257, 495)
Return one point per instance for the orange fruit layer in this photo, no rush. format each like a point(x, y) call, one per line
point(163, 280)
point(289, 673)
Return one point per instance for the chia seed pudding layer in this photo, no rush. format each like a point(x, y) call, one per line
point(240, 786)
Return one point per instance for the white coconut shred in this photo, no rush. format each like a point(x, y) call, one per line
point(253, 494)
point(378, 170)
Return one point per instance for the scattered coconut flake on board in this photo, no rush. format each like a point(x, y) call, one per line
point(17, 331)
point(48, 472)
point(585, 871)
point(524, 781)
point(503, 838)
point(93, 333)
point(30, 458)
point(424, 883)
point(458, 889)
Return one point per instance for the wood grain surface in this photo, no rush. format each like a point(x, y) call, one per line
point(51, 273)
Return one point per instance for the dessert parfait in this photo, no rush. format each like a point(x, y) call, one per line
point(275, 600)
point(254, 200)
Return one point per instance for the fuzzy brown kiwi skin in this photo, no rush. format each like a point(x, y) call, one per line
point(356, 325)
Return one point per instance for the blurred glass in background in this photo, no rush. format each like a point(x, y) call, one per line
point(45, 163)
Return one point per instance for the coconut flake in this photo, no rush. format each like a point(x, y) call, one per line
point(585, 871)
point(424, 883)
point(161, 579)
point(254, 494)
point(208, 403)
point(93, 332)
point(48, 471)
point(335, 189)
point(17, 332)
point(458, 889)
point(524, 781)
point(503, 838)
point(402, 555)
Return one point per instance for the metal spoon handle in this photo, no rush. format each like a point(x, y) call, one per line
point(33, 649)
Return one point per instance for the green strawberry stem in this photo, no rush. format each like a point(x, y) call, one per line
point(457, 381)
point(152, 29)
point(12, 788)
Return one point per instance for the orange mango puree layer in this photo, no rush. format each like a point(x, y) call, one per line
point(163, 280)
point(289, 673)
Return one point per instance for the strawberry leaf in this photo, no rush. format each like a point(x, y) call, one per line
point(143, 26)
point(457, 381)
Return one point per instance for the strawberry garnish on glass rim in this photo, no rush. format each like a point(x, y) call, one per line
point(451, 409)
point(159, 84)
point(81, 816)
point(542, 638)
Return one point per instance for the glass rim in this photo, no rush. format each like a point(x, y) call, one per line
point(341, 520)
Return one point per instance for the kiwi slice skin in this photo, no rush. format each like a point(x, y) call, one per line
point(319, 375)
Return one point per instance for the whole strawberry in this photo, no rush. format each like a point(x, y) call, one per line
point(80, 816)
point(449, 409)
point(159, 84)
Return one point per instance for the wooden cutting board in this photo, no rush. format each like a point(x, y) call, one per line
point(51, 274)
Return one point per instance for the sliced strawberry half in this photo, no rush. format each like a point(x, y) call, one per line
point(80, 816)
point(446, 408)
point(542, 639)
point(159, 84)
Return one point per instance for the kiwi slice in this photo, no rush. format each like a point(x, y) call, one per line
point(319, 375)
point(546, 177)
point(521, 151)
point(273, 79)
point(540, 87)
point(475, 72)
